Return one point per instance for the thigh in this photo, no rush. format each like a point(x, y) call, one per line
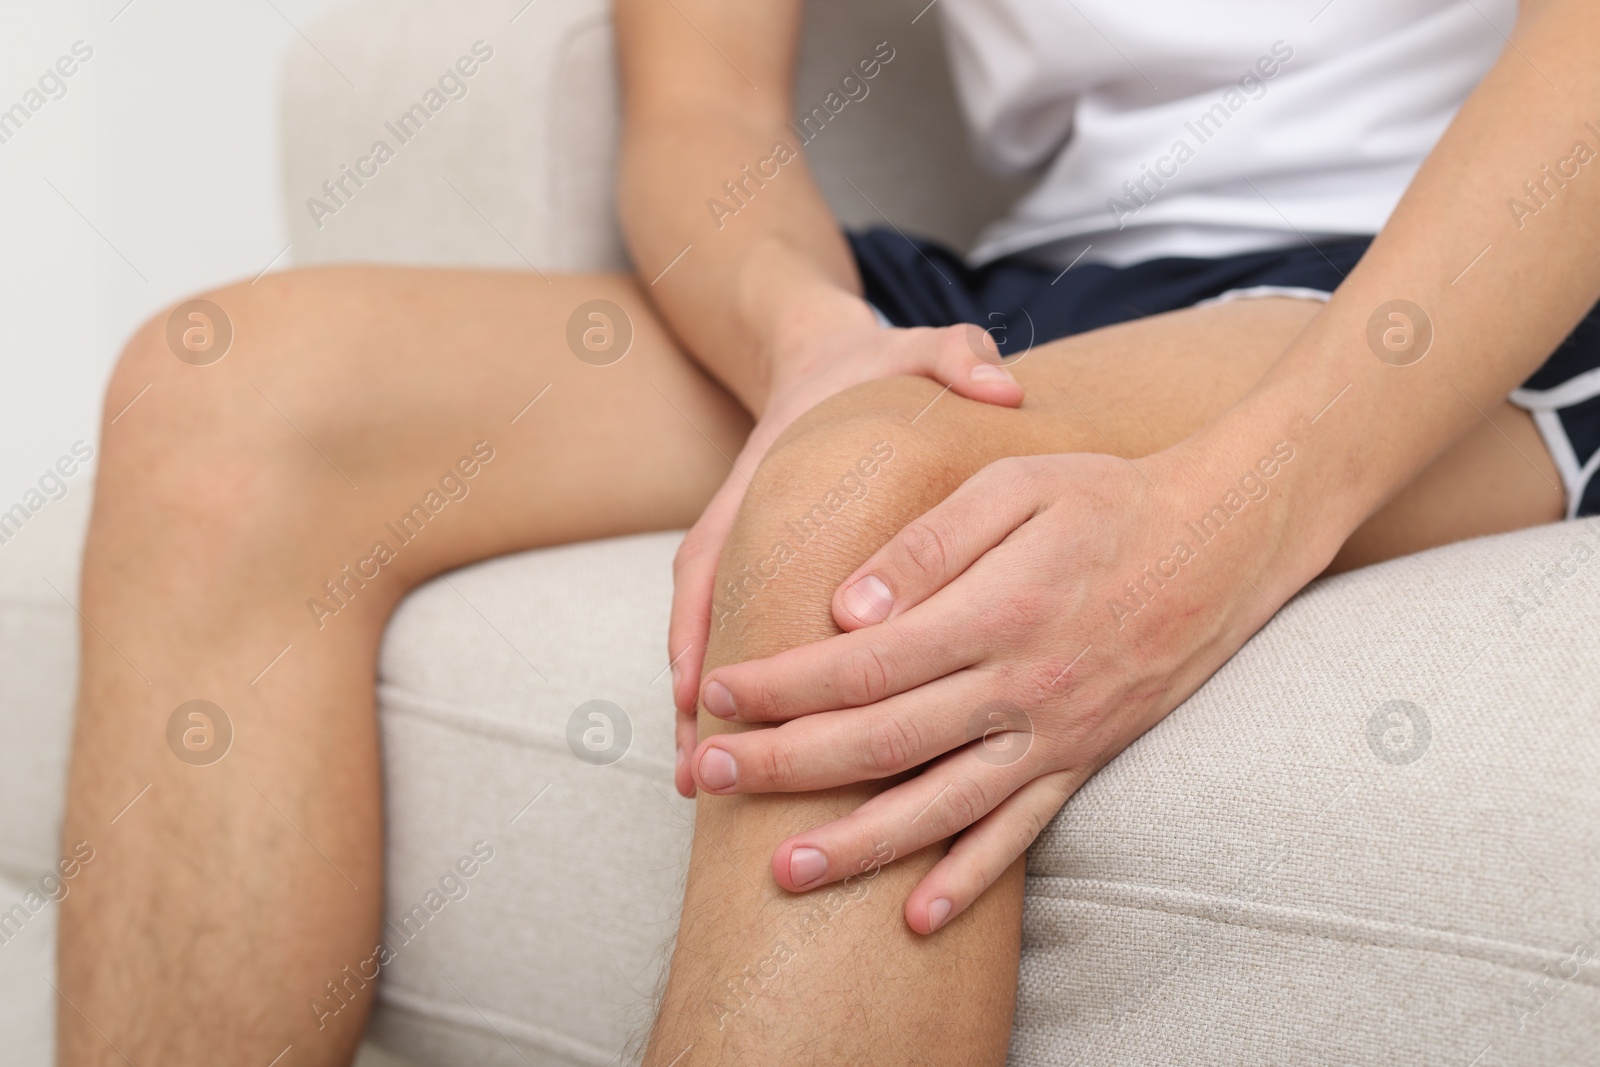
point(352, 398)
point(1141, 386)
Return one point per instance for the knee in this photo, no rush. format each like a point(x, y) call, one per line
point(840, 482)
point(843, 457)
point(884, 406)
point(215, 349)
point(890, 443)
point(187, 425)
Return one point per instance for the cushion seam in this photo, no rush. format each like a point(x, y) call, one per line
point(1512, 955)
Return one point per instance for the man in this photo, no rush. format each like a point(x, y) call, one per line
point(1013, 552)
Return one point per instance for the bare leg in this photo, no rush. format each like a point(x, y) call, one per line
point(833, 975)
point(225, 896)
point(220, 903)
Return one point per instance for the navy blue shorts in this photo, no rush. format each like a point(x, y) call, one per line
point(914, 282)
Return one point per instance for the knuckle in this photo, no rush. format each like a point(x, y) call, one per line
point(975, 878)
point(776, 763)
point(1012, 474)
point(1026, 609)
point(758, 703)
point(1031, 826)
point(951, 343)
point(893, 744)
point(1038, 817)
point(965, 802)
point(971, 342)
point(865, 675)
point(1043, 682)
point(925, 549)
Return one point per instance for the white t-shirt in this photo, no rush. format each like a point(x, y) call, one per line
point(1209, 127)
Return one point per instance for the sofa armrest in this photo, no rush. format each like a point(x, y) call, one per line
point(519, 171)
point(510, 166)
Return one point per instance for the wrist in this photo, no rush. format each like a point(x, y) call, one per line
point(1261, 456)
point(785, 299)
point(812, 309)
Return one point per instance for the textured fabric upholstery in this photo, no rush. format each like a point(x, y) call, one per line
point(1280, 872)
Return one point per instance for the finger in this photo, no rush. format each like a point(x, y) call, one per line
point(966, 359)
point(693, 603)
point(982, 854)
point(943, 800)
point(843, 671)
point(935, 548)
point(844, 747)
point(686, 637)
point(694, 572)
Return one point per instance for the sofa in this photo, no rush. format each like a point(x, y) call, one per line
point(1370, 838)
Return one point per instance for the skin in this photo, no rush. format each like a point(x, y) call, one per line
point(1035, 554)
point(871, 980)
point(214, 520)
point(199, 566)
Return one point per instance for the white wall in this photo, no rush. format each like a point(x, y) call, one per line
point(166, 142)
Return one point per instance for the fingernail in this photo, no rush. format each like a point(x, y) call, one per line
point(988, 372)
point(869, 599)
point(719, 701)
point(683, 758)
point(806, 865)
point(717, 769)
point(938, 912)
point(677, 677)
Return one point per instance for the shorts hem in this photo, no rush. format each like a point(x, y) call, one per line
point(1256, 292)
point(1575, 477)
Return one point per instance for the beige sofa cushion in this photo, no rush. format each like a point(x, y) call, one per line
point(1288, 869)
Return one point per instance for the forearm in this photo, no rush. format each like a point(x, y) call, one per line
point(728, 232)
point(1500, 287)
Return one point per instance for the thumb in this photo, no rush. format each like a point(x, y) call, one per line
point(965, 358)
point(933, 550)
